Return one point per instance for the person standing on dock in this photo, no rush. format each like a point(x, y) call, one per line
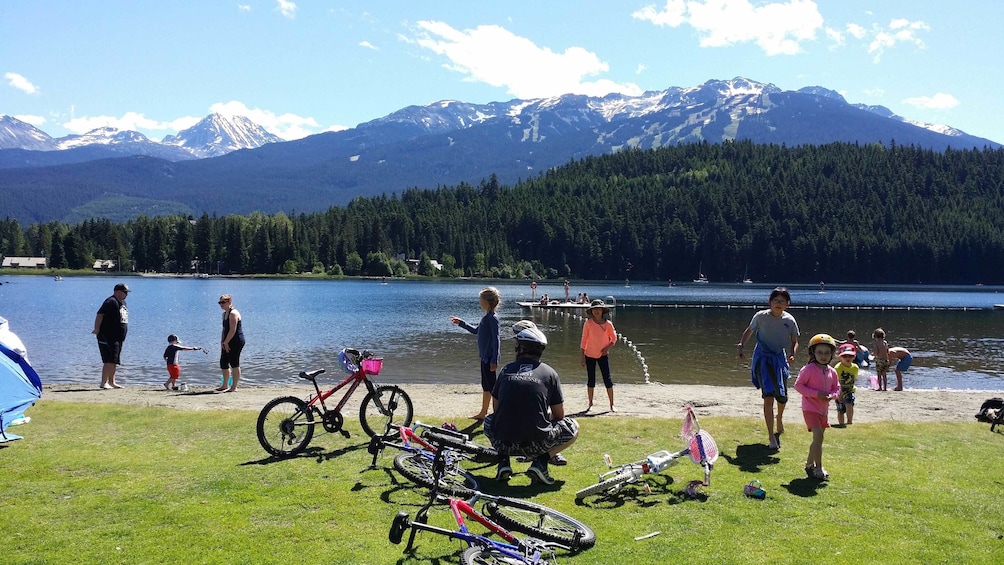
point(776, 331)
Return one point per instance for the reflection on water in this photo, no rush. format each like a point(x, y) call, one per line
point(296, 325)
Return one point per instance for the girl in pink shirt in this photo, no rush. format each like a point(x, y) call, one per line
point(598, 336)
point(818, 384)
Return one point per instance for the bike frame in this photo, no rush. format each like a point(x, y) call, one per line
point(352, 381)
point(460, 509)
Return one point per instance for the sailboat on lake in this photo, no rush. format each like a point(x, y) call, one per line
point(701, 279)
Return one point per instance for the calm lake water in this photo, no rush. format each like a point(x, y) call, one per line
point(685, 333)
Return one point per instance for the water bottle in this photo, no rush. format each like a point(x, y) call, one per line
point(659, 461)
point(608, 460)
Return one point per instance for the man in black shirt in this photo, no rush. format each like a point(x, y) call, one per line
point(110, 325)
point(529, 417)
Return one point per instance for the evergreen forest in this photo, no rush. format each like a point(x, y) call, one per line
point(840, 213)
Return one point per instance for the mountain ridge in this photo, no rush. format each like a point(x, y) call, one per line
point(450, 142)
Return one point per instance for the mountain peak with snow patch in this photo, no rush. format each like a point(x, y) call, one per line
point(217, 135)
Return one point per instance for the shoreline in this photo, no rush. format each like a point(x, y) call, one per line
point(632, 400)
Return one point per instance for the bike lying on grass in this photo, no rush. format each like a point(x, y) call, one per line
point(700, 446)
point(548, 529)
point(286, 424)
point(415, 462)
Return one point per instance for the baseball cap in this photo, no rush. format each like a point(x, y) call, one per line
point(847, 349)
point(122, 287)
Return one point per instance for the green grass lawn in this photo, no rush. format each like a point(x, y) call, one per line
point(120, 484)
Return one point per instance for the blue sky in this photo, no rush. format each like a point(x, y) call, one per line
point(300, 67)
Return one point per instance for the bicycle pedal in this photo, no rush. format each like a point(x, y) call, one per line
point(345, 433)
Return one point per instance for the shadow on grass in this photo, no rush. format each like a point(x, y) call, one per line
point(752, 458)
point(658, 486)
point(316, 453)
point(804, 487)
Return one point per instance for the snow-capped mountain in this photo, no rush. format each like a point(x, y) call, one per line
point(101, 136)
point(213, 136)
point(217, 135)
point(451, 142)
point(15, 134)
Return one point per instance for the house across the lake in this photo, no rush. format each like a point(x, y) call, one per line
point(104, 265)
point(25, 263)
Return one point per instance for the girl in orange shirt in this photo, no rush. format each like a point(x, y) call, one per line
point(598, 336)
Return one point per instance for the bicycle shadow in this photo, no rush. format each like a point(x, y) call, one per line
point(751, 458)
point(317, 453)
point(632, 493)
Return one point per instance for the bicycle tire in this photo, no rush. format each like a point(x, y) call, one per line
point(541, 522)
point(604, 485)
point(285, 426)
point(399, 411)
point(417, 467)
point(478, 453)
point(476, 555)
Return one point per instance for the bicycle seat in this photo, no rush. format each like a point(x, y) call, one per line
point(311, 375)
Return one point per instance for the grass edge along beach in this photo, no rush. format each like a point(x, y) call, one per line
point(106, 483)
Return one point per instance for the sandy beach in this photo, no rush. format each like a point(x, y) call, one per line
point(640, 400)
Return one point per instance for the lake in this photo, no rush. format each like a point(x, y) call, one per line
point(684, 333)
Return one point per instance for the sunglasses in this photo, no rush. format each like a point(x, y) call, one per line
point(223, 301)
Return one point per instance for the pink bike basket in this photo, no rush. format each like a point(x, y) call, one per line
point(372, 366)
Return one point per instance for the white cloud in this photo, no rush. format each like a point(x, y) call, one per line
point(243, 8)
point(835, 36)
point(778, 28)
point(129, 121)
point(495, 56)
point(287, 126)
point(20, 83)
point(30, 119)
point(856, 31)
point(939, 101)
point(875, 92)
point(368, 45)
point(640, 69)
point(880, 39)
point(287, 8)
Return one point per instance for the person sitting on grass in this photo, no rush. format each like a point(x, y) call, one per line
point(529, 412)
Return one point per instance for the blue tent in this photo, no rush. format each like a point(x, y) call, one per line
point(20, 387)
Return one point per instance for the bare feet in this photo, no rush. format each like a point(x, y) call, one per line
point(106, 386)
point(220, 389)
point(231, 390)
point(116, 385)
point(478, 417)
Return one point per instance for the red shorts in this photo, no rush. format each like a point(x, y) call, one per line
point(174, 371)
point(815, 420)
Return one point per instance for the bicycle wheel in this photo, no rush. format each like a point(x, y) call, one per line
point(602, 486)
point(478, 453)
point(540, 522)
point(476, 555)
point(285, 426)
point(397, 411)
point(417, 467)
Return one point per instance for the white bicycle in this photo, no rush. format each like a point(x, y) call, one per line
point(700, 446)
